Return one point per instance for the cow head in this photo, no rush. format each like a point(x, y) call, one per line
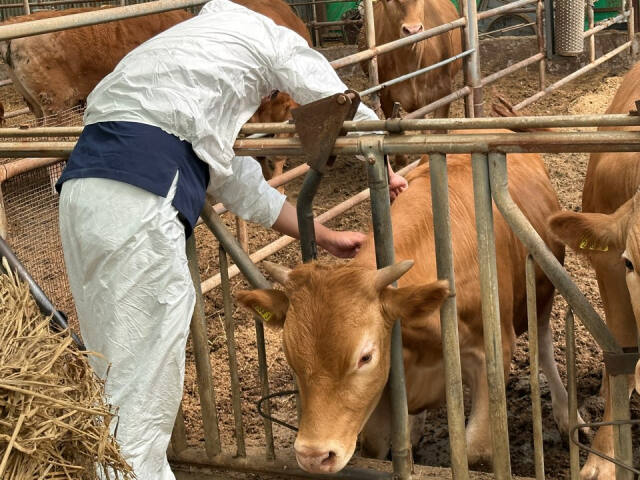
point(336, 323)
point(597, 233)
point(275, 107)
point(408, 15)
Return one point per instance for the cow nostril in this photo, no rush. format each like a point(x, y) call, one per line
point(329, 459)
point(405, 30)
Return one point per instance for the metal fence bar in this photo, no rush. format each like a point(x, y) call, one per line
point(200, 341)
point(572, 391)
point(491, 316)
point(48, 25)
point(544, 258)
point(473, 75)
point(534, 368)
point(316, 33)
point(383, 237)
point(592, 38)
point(542, 64)
point(178, 435)
point(620, 410)
point(257, 280)
point(535, 122)
point(229, 329)
point(422, 71)
point(371, 44)
point(538, 57)
point(52, 3)
point(25, 4)
point(631, 27)
point(554, 86)
point(449, 316)
point(603, 25)
point(552, 142)
point(4, 224)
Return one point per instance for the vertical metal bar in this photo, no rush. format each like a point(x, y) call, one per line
point(472, 65)
point(229, 328)
point(631, 27)
point(542, 64)
point(534, 369)
point(242, 234)
point(622, 446)
point(491, 316)
point(449, 316)
point(27, 10)
point(200, 342)
point(548, 28)
point(316, 31)
point(304, 208)
point(383, 236)
point(4, 224)
point(466, 61)
point(572, 392)
point(592, 38)
point(179, 434)
point(371, 43)
point(257, 280)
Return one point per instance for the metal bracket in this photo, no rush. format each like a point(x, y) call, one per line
point(320, 123)
point(621, 363)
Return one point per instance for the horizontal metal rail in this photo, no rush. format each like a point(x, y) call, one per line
point(402, 78)
point(605, 24)
point(48, 25)
point(537, 142)
point(504, 9)
point(554, 86)
point(392, 125)
point(51, 3)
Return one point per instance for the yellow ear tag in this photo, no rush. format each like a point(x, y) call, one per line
point(585, 245)
point(265, 314)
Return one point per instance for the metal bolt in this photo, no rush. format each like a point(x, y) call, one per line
point(371, 158)
point(342, 100)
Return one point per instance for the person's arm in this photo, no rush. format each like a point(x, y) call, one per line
point(340, 244)
point(248, 195)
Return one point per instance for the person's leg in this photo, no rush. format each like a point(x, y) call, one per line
point(124, 250)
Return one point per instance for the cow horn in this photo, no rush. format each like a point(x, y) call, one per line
point(387, 275)
point(279, 273)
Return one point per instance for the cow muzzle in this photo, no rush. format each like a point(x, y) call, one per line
point(411, 29)
point(326, 457)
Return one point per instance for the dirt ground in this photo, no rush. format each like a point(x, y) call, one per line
point(589, 94)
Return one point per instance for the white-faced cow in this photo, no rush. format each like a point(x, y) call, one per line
point(608, 234)
point(337, 320)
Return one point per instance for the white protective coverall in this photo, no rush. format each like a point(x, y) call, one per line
point(124, 247)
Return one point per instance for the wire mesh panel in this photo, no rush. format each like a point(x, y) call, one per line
point(32, 212)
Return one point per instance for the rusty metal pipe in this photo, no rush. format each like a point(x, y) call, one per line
point(491, 316)
point(449, 316)
point(204, 374)
point(55, 24)
point(554, 86)
point(385, 255)
point(534, 375)
point(543, 256)
point(572, 391)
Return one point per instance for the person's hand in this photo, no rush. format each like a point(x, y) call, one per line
point(397, 185)
point(342, 244)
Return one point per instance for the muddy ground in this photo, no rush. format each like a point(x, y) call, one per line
point(589, 94)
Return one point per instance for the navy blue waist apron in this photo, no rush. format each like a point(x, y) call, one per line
point(144, 156)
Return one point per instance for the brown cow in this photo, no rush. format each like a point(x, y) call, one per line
point(338, 319)
point(608, 234)
point(395, 19)
point(57, 71)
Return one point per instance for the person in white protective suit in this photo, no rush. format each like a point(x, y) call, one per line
point(159, 132)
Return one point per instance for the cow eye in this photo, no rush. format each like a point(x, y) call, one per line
point(364, 359)
point(628, 264)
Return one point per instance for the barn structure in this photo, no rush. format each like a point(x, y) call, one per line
point(239, 402)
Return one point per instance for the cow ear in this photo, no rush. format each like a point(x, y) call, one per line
point(592, 232)
point(269, 305)
point(415, 303)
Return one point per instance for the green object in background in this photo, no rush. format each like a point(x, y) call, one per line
point(335, 10)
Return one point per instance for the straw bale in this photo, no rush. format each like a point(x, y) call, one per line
point(54, 423)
